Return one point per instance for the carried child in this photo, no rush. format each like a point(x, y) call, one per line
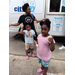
point(29, 35)
point(45, 45)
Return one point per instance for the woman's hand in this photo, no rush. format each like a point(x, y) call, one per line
point(9, 25)
point(45, 18)
point(37, 21)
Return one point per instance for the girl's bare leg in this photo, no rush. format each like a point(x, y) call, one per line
point(42, 67)
point(31, 51)
point(45, 70)
point(26, 52)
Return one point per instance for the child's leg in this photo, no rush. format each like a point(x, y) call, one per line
point(26, 48)
point(26, 52)
point(42, 67)
point(31, 48)
point(31, 51)
point(27, 55)
point(45, 71)
point(45, 66)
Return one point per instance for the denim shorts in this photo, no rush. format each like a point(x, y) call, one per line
point(43, 62)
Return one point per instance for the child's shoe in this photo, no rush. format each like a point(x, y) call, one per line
point(27, 57)
point(42, 74)
point(33, 55)
point(39, 70)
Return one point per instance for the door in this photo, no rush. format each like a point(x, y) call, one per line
point(55, 11)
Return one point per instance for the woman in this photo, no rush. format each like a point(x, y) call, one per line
point(27, 18)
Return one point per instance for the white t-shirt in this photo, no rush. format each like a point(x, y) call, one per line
point(29, 38)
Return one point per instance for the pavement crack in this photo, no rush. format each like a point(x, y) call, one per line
point(36, 57)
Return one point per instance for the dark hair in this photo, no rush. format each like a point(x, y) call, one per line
point(24, 7)
point(46, 22)
point(27, 24)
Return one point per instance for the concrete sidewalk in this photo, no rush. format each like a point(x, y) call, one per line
point(17, 47)
point(18, 65)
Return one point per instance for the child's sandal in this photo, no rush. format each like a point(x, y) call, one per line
point(27, 57)
point(42, 74)
point(39, 70)
point(33, 55)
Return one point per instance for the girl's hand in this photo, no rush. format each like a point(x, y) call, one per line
point(50, 39)
point(35, 42)
point(21, 26)
point(34, 35)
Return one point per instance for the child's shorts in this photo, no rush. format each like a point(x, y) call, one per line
point(44, 63)
point(28, 45)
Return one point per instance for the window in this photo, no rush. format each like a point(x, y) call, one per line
point(56, 6)
point(63, 6)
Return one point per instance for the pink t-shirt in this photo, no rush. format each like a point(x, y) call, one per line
point(43, 49)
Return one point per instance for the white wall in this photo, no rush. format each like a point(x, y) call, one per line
point(14, 16)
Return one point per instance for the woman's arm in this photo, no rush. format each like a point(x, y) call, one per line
point(37, 21)
point(16, 24)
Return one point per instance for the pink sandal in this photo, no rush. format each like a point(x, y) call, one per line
point(42, 74)
point(27, 57)
point(33, 55)
point(39, 70)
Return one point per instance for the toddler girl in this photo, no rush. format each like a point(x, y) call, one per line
point(45, 45)
point(29, 41)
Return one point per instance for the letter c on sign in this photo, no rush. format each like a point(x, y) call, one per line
point(15, 9)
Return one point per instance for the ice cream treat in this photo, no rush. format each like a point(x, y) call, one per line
point(49, 37)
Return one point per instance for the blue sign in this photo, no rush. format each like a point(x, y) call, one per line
point(19, 9)
point(58, 18)
point(32, 8)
